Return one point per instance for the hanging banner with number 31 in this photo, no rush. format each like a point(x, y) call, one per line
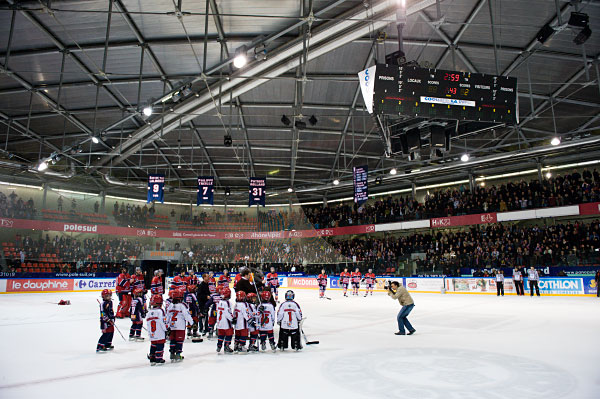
point(257, 191)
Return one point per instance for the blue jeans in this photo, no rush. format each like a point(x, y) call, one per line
point(402, 318)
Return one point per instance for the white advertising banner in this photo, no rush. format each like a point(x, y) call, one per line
point(367, 86)
point(424, 284)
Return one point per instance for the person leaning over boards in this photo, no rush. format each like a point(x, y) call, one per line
point(397, 291)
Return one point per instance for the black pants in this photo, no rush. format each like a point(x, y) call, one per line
point(537, 287)
point(284, 334)
point(499, 288)
point(519, 287)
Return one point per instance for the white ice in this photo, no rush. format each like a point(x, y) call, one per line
point(466, 346)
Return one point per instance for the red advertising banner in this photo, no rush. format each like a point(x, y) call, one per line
point(465, 220)
point(593, 208)
point(39, 285)
point(198, 235)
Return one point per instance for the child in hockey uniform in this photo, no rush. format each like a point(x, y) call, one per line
point(267, 321)
point(273, 284)
point(137, 315)
point(107, 322)
point(288, 318)
point(241, 316)
point(322, 280)
point(178, 319)
point(156, 323)
point(254, 321)
point(369, 281)
point(191, 302)
point(211, 309)
point(356, 282)
point(224, 321)
point(345, 280)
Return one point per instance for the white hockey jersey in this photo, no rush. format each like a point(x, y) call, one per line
point(533, 275)
point(267, 317)
point(156, 323)
point(241, 315)
point(224, 315)
point(499, 278)
point(178, 317)
point(289, 315)
point(517, 276)
point(254, 315)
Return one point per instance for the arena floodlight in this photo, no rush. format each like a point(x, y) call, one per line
point(336, 182)
point(147, 111)
point(464, 158)
point(241, 57)
point(548, 175)
point(95, 140)
point(42, 166)
point(555, 141)
point(290, 190)
point(393, 171)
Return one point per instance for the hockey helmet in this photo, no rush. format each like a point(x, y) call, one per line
point(156, 300)
point(240, 296)
point(191, 287)
point(106, 292)
point(251, 297)
point(138, 292)
point(266, 296)
point(226, 292)
point(178, 294)
point(289, 295)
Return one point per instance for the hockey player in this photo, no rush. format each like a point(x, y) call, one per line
point(211, 310)
point(107, 322)
point(178, 319)
point(137, 282)
point(322, 280)
point(137, 315)
point(345, 280)
point(156, 287)
point(370, 280)
point(273, 284)
point(192, 279)
point(241, 316)
point(288, 318)
point(267, 321)
point(169, 301)
point(178, 281)
point(123, 288)
point(254, 321)
point(191, 302)
point(212, 284)
point(356, 277)
point(224, 280)
point(224, 321)
point(156, 323)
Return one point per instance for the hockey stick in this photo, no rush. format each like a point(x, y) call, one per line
point(113, 323)
point(304, 335)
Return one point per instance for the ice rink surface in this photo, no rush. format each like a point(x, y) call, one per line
point(466, 346)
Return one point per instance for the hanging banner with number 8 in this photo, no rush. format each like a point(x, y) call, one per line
point(257, 191)
point(156, 188)
point(206, 189)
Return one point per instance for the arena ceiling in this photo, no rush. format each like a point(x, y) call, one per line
point(74, 70)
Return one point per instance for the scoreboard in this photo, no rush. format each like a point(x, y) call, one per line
point(439, 94)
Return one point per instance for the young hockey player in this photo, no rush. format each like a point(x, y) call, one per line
point(123, 288)
point(288, 318)
point(211, 310)
point(267, 321)
point(169, 301)
point(273, 284)
point(107, 322)
point(322, 280)
point(137, 282)
point(224, 321)
point(241, 316)
point(137, 315)
point(224, 280)
point(369, 281)
point(178, 319)
point(356, 276)
point(191, 302)
point(156, 323)
point(254, 321)
point(156, 287)
point(345, 280)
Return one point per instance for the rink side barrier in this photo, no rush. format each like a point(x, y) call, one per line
point(553, 286)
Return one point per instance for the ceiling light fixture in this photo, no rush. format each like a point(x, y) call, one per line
point(147, 111)
point(393, 171)
point(241, 57)
point(43, 165)
point(464, 158)
point(95, 140)
point(336, 182)
point(555, 141)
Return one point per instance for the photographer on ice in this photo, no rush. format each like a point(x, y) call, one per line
point(397, 291)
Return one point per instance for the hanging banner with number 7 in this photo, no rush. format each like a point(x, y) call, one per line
point(156, 188)
point(206, 189)
point(257, 191)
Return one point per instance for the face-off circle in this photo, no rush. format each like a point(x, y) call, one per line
point(442, 373)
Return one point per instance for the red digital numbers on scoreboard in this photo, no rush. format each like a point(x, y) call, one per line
point(452, 77)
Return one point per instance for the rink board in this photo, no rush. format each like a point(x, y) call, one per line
point(554, 286)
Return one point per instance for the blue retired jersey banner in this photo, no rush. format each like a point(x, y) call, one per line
point(257, 191)
point(156, 188)
point(206, 190)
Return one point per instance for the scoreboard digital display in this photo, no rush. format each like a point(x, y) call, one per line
point(440, 94)
point(257, 191)
point(361, 184)
point(206, 190)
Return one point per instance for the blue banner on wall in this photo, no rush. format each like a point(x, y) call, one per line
point(156, 188)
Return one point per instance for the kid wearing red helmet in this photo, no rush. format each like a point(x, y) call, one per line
point(137, 315)
point(156, 323)
point(254, 321)
point(241, 316)
point(224, 321)
point(178, 319)
point(267, 321)
point(211, 306)
point(107, 322)
point(191, 302)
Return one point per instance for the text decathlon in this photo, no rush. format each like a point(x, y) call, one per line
point(560, 284)
point(81, 228)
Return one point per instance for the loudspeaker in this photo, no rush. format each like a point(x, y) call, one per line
point(579, 20)
point(544, 33)
point(413, 139)
point(227, 141)
point(438, 136)
point(399, 144)
point(583, 36)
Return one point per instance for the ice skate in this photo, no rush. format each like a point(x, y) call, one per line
point(218, 349)
point(263, 346)
point(228, 350)
point(273, 347)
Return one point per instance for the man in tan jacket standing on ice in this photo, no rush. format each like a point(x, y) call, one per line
point(397, 291)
